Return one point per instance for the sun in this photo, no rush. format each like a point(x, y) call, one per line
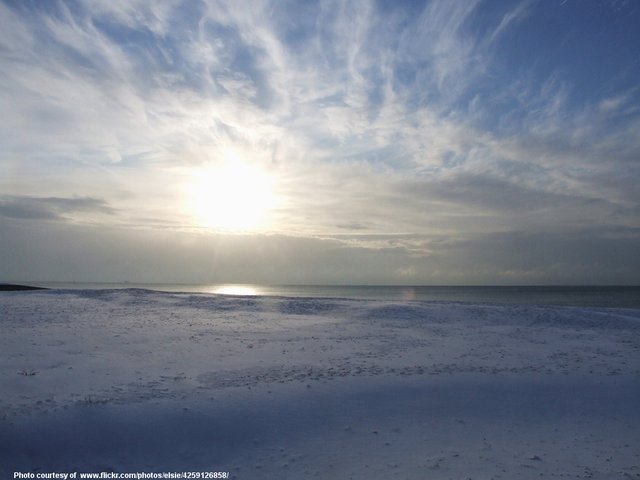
point(232, 196)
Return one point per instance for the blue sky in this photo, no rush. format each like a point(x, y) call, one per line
point(437, 142)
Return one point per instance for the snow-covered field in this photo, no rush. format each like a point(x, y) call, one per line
point(133, 380)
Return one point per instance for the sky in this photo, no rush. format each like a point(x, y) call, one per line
point(320, 142)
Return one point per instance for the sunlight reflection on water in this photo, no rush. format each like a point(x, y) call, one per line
point(235, 290)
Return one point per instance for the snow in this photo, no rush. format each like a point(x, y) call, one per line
point(275, 387)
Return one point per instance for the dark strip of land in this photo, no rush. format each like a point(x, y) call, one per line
point(10, 287)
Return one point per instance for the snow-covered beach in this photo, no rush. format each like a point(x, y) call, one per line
point(275, 387)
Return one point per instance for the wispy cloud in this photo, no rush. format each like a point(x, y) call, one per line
point(375, 118)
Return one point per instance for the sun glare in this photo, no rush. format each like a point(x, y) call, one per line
point(243, 290)
point(233, 196)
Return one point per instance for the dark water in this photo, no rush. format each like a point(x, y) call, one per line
point(585, 296)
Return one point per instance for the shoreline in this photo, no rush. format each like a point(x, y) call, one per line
point(571, 296)
point(13, 287)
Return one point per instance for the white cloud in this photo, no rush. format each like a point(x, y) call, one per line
point(372, 121)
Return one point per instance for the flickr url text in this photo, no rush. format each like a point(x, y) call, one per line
point(117, 476)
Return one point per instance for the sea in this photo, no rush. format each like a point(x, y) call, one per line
point(580, 296)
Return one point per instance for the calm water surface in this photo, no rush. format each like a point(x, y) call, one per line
point(586, 296)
